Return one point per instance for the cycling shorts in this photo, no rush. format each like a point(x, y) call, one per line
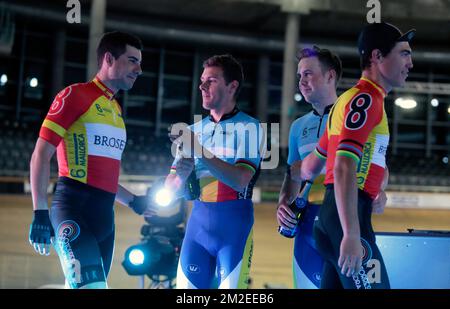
point(83, 219)
point(217, 244)
point(307, 263)
point(328, 235)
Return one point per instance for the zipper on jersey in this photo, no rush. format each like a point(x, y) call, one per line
point(214, 131)
point(320, 125)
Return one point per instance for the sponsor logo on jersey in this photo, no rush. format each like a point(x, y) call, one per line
point(58, 104)
point(80, 149)
point(381, 145)
point(105, 140)
point(317, 277)
point(100, 110)
point(193, 269)
point(109, 141)
point(80, 156)
point(68, 231)
point(367, 251)
point(365, 160)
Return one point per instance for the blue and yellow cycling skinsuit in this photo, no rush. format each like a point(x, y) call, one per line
point(303, 137)
point(218, 241)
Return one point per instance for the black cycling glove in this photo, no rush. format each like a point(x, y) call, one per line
point(41, 230)
point(139, 204)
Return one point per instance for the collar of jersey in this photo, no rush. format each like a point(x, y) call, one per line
point(375, 85)
point(326, 110)
point(226, 116)
point(106, 91)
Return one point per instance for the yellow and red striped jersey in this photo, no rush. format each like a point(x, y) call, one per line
point(85, 123)
point(358, 128)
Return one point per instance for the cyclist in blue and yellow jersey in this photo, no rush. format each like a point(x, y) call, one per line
point(84, 125)
point(353, 147)
point(319, 71)
point(226, 147)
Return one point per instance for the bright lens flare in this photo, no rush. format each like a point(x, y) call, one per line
point(163, 197)
point(406, 103)
point(34, 82)
point(136, 257)
point(3, 79)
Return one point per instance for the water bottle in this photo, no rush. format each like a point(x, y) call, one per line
point(192, 187)
point(297, 207)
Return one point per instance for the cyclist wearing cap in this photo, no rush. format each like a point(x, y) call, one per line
point(85, 126)
point(226, 147)
point(319, 71)
point(354, 147)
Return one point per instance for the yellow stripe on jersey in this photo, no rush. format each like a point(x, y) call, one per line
point(246, 262)
point(103, 88)
point(77, 151)
point(381, 90)
point(54, 127)
point(317, 191)
point(209, 189)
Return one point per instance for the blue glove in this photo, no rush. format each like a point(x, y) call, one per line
point(41, 232)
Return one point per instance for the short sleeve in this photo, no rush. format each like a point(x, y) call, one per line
point(63, 112)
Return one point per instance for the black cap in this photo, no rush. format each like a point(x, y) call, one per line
point(382, 36)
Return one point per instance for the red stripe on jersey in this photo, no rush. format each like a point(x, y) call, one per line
point(225, 192)
point(63, 167)
point(373, 180)
point(50, 136)
point(98, 167)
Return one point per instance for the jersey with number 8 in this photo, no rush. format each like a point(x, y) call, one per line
point(358, 128)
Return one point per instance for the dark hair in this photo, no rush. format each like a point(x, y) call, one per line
point(382, 36)
point(116, 43)
point(232, 69)
point(364, 59)
point(327, 59)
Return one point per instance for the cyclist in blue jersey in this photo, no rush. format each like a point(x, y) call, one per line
point(224, 150)
point(319, 71)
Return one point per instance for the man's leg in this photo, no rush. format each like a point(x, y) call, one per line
point(234, 261)
point(307, 262)
point(106, 247)
point(330, 277)
point(78, 251)
point(195, 267)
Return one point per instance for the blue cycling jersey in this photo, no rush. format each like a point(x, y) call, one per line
point(236, 139)
point(303, 137)
point(218, 240)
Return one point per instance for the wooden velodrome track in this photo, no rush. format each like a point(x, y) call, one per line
point(21, 267)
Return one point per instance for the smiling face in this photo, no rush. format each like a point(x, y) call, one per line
point(312, 80)
point(215, 92)
point(394, 67)
point(124, 70)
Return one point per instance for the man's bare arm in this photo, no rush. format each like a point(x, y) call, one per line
point(40, 173)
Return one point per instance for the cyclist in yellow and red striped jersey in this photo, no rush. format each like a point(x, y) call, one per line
point(84, 125)
point(354, 146)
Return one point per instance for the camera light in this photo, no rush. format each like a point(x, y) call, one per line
point(136, 257)
point(163, 197)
